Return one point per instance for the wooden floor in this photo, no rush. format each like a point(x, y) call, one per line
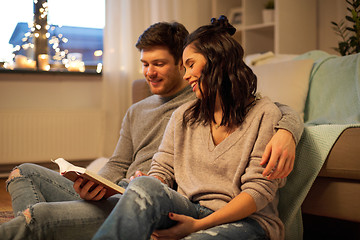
point(5, 201)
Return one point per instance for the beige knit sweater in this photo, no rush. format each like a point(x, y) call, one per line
point(213, 175)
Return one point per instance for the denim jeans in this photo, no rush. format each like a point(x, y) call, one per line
point(145, 206)
point(56, 210)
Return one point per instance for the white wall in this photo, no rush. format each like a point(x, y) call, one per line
point(49, 115)
point(49, 90)
point(329, 10)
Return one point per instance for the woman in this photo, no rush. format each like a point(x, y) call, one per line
point(212, 150)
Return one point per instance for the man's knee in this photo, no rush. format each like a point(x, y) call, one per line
point(27, 215)
point(14, 173)
point(20, 172)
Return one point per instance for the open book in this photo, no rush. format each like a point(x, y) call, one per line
point(73, 172)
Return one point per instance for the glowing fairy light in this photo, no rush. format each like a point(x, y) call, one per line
point(98, 53)
point(99, 67)
point(47, 68)
point(54, 38)
point(25, 46)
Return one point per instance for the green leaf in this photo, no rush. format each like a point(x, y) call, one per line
point(353, 40)
point(350, 19)
point(349, 32)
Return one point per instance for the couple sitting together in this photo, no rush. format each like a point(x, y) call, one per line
point(202, 158)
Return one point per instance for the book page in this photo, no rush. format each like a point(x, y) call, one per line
point(65, 166)
point(73, 172)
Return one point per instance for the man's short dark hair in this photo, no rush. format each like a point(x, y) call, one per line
point(170, 35)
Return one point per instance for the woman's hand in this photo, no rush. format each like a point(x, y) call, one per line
point(242, 206)
point(138, 174)
point(185, 226)
point(88, 192)
point(279, 155)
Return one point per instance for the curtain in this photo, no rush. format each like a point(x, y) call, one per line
point(125, 21)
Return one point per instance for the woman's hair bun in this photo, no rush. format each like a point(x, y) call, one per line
point(222, 23)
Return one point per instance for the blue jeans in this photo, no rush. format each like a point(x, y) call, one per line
point(145, 206)
point(56, 210)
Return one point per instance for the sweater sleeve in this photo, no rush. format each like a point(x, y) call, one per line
point(115, 169)
point(162, 164)
point(290, 121)
point(253, 182)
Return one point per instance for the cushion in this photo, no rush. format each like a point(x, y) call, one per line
point(285, 82)
point(258, 59)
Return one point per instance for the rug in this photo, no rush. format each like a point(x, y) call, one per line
point(6, 216)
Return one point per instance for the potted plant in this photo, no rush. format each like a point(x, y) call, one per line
point(350, 32)
point(269, 12)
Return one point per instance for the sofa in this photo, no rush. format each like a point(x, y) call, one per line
point(326, 176)
point(325, 90)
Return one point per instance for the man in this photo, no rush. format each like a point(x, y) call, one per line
point(51, 206)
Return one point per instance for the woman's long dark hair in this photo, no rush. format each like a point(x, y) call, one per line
point(225, 72)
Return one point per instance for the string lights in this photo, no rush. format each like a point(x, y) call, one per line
point(55, 52)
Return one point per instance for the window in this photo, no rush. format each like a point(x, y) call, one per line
point(65, 35)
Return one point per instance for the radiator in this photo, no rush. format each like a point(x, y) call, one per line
point(41, 135)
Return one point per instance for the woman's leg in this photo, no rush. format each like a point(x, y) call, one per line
point(59, 220)
point(29, 184)
point(144, 207)
point(245, 229)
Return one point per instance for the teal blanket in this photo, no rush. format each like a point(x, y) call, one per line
point(333, 105)
point(313, 148)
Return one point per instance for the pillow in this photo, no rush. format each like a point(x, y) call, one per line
point(258, 59)
point(285, 82)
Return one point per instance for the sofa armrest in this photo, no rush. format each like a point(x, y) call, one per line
point(336, 191)
point(140, 90)
point(343, 159)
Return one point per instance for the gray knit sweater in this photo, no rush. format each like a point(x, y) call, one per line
point(213, 175)
point(141, 132)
